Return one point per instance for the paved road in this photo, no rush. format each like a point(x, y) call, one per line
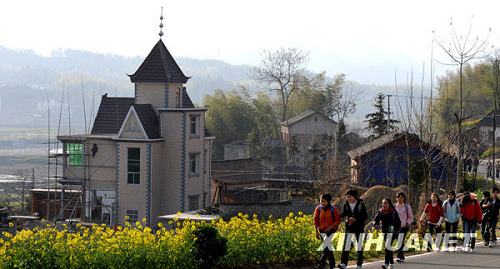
point(482, 258)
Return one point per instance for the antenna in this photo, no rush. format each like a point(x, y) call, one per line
point(83, 101)
point(60, 113)
point(69, 111)
point(161, 23)
point(422, 102)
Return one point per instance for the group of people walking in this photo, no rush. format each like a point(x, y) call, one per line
point(396, 220)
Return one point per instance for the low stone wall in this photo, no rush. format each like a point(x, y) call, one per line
point(263, 210)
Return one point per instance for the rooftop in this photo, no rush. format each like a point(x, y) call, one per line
point(111, 114)
point(159, 66)
point(303, 116)
point(377, 143)
point(488, 119)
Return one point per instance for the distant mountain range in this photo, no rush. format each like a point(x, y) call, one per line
point(28, 80)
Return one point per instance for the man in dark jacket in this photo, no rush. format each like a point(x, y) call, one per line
point(354, 212)
point(488, 212)
point(495, 208)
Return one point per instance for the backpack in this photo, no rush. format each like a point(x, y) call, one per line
point(332, 208)
point(397, 221)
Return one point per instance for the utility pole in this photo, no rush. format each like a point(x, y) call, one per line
point(494, 133)
point(48, 159)
point(496, 69)
point(421, 126)
point(389, 113)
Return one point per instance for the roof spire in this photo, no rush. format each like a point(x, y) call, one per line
point(161, 23)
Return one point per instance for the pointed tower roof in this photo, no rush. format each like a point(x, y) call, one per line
point(159, 66)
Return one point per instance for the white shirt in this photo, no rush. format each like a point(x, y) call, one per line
point(353, 205)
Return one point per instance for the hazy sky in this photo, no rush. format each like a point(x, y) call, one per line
point(341, 36)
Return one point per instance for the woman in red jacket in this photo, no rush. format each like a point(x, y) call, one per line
point(326, 221)
point(433, 216)
point(472, 215)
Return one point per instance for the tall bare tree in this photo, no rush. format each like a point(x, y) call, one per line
point(342, 101)
point(495, 66)
point(283, 71)
point(461, 49)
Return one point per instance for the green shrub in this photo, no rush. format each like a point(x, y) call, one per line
point(209, 246)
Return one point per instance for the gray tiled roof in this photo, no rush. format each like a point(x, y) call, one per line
point(148, 119)
point(186, 100)
point(380, 142)
point(488, 119)
point(113, 111)
point(302, 116)
point(111, 114)
point(159, 66)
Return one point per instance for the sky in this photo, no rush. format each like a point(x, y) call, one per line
point(367, 40)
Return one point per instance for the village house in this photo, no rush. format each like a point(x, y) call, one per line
point(301, 132)
point(146, 156)
point(384, 161)
point(253, 186)
point(307, 128)
point(483, 130)
point(237, 150)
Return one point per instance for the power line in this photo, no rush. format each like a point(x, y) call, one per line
point(437, 98)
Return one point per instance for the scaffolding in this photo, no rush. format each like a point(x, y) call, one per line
point(86, 206)
point(67, 207)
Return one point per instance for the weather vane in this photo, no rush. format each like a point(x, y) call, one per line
point(161, 23)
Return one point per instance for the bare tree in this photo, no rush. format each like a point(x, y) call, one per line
point(461, 49)
point(17, 193)
point(283, 71)
point(341, 103)
point(342, 99)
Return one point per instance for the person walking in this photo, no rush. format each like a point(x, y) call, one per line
point(451, 210)
point(433, 216)
point(489, 170)
point(406, 216)
point(476, 165)
point(355, 214)
point(472, 215)
point(388, 218)
point(326, 222)
point(497, 170)
point(496, 208)
point(487, 208)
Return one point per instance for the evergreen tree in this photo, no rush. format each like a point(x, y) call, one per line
point(378, 121)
